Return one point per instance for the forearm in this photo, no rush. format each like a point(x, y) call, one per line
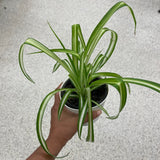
point(54, 146)
point(39, 154)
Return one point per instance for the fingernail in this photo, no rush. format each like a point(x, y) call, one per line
point(99, 112)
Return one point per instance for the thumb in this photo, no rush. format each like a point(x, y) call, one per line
point(57, 98)
point(96, 113)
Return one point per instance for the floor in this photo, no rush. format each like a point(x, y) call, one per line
point(135, 134)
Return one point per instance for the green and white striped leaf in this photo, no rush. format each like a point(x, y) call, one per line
point(101, 24)
point(88, 52)
point(75, 43)
point(107, 74)
point(111, 47)
point(102, 108)
point(90, 136)
point(88, 68)
point(40, 118)
point(105, 111)
point(95, 59)
point(63, 102)
point(75, 83)
point(152, 85)
point(43, 48)
point(56, 36)
point(119, 85)
point(80, 35)
point(59, 42)
point(56, 66)
point(67, 51)
point(82, 115)
point(97, 63)
point(21, 63)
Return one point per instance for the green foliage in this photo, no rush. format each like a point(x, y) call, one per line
point(81, 72)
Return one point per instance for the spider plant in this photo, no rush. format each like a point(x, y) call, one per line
point(82, 72)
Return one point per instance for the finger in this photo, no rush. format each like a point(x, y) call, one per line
point(59, 85)
point(57, 98)
point(95, 115)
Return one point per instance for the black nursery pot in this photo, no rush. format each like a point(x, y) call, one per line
point(99, 95)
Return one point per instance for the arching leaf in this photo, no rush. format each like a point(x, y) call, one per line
point(40, 118)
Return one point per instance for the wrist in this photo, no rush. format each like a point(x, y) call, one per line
point(59, 136)
point(55, 144)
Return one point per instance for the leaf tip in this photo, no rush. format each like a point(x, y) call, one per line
point(135, 30)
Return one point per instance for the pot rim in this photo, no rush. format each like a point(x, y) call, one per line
point(94, 108)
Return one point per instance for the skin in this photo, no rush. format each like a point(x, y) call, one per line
point(61, 131)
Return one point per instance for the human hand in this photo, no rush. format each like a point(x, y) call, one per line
point(60, 131)
point(66, 127)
